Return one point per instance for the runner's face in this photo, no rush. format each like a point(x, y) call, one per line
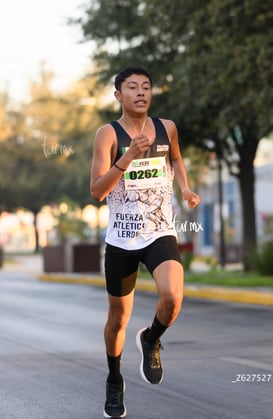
point(136, 94)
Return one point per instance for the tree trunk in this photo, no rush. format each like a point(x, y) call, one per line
point(247, 188)
point(37, 247)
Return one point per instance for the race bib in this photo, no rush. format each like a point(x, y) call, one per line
point(146, 173)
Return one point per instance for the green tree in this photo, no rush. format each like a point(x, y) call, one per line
point(28, 179)
point(231, 47)
point(47, 152)
point(212, 66)
point(65, 124)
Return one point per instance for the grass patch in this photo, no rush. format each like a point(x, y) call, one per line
point(225, 278)
point(229, 279)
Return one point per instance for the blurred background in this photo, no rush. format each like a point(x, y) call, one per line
point(211, 63)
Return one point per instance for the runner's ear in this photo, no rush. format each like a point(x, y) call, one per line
point(117, 95)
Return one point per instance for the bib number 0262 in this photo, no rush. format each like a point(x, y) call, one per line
point(143, 174)
point(146, 173)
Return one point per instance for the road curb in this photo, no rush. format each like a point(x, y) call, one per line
point(230, 294)
point(210, 293)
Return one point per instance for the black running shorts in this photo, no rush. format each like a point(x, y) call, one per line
point(121, 265)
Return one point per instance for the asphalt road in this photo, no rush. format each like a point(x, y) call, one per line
point(218, 357)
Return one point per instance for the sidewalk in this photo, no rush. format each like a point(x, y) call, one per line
point(29, 263)
point(33, 265)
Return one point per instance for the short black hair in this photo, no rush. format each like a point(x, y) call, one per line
point(127, 72)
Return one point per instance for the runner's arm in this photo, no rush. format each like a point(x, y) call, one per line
point(104, 176)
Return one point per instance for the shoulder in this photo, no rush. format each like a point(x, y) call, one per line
point(170, 127)
point(106, 129)
point(106, 134)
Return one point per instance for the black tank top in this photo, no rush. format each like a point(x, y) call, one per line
point(158, 147)
point(140, 205)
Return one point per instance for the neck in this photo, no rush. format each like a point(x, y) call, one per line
point(136, 125)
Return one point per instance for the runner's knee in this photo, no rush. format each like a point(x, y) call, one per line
point(172, 303)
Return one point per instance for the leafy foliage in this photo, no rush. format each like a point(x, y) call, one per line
point(46, 151)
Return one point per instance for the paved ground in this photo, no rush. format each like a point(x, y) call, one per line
point(218, 356)
point(33, 264)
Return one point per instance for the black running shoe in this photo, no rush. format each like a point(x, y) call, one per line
point(150, 367)
point(114, 406)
